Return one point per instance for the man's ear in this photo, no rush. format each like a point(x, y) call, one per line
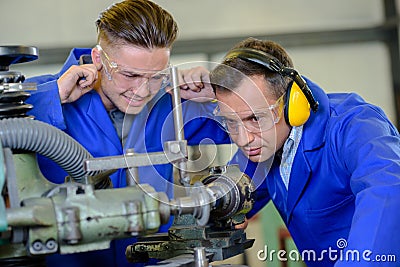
point(96, 58)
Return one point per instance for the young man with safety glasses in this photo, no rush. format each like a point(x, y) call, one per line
point(118, 101)
point(333, 174)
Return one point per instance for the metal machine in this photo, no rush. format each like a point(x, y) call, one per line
point(38, 217)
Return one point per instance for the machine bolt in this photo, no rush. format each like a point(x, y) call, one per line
point(51, 244)
point(175, 148)
point(37, 245)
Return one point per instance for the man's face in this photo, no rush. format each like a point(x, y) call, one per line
point(131, 76)
point(253, 118)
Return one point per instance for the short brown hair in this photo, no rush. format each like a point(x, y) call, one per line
point(138, 22)
point(231, 71)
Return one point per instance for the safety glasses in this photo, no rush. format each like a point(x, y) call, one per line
point(125, 77)
point(253, 121)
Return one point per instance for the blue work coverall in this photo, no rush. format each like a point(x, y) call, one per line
point(88, 122)
point(344, 189)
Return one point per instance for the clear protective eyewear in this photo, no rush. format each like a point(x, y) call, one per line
point(125, 77)
point(253, 121)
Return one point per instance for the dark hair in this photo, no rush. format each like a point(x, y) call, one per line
point(137, 22)
point(227, 75)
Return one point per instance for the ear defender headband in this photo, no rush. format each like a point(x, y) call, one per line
point(299, 98)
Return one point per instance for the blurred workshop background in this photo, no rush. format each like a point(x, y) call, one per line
point(343, 45)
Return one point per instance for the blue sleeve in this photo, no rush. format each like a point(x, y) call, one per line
point(47, 108)
point(369, 146)
point(46, 101)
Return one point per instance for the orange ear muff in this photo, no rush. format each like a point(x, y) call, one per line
point(297, 108)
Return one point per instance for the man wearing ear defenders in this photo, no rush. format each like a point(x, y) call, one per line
point(115, 100)
point(330, 163)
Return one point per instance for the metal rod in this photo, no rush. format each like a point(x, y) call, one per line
point(178, 123)
point(200, 259)
point(176, 103)
point(132, 174)
point(128, 161)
